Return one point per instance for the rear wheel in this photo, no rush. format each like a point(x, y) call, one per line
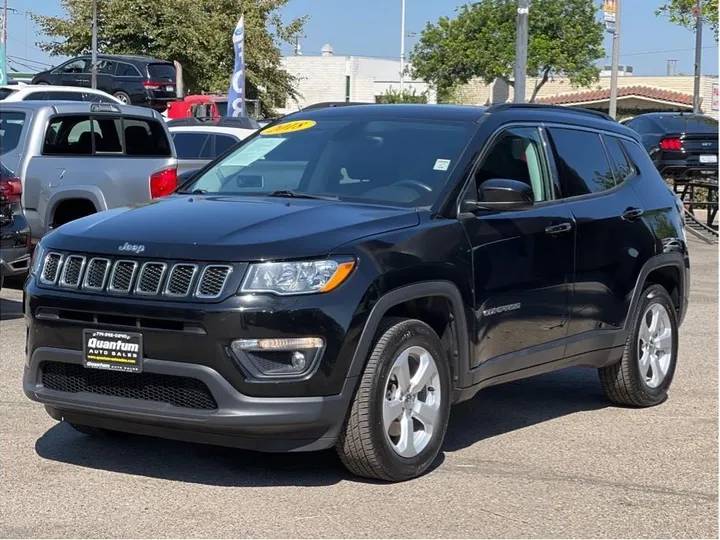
point(643, 376)
point(122, 96)
point(399, 416)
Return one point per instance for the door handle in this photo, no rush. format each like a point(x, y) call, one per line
point(560, 228)
point(631, 214)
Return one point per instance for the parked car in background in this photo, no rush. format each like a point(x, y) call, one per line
point(76, 159)
point(135, 80)
point(15, 239)
point(681, 145)
point(346, 276)
point(43, 92)
point(210, 106)
point(199, 143)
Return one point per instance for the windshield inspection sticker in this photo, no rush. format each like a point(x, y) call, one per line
point(288, 127)
point(442, 165)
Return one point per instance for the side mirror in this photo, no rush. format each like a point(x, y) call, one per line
point(505, 194)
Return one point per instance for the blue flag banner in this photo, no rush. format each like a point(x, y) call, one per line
point(236, 96)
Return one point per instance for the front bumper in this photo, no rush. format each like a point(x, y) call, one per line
point(267, 424)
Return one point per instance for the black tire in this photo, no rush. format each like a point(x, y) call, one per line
point(362, 446)
point(123, 96)
point(623, 382)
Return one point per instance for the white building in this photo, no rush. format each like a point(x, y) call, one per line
point(339, 78)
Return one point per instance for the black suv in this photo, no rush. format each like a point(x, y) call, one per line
point(135, 80)
point(345, 275)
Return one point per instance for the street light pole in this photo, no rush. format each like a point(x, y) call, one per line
point(521, 45)
point(615, 61)
point(402, 47)
point(698, 56)
point(93, 68)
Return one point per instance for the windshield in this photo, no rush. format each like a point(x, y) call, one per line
point(390, 161)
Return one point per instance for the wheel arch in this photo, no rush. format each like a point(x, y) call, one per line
point(92, 195)
point(668, 270)
point(395, 301)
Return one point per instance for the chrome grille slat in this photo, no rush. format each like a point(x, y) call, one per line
point(212, 281)
point(96, 274)
point(51, 268)
point(121, 276)
point(72, 271)
point(180, 280)
point(150, 278)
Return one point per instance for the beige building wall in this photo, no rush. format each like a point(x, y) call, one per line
point(478, 93)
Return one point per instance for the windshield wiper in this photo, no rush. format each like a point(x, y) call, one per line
point(193, 192)
point(291, 193)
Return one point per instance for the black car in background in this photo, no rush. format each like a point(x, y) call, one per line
point(136, 80)
point(682, 145)
point(15, 243)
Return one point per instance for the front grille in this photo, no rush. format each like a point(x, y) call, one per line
point(182, 392)
point(149, 279)
point(121, 276)
point(51, 268)
point(72, 271)
point(212, 281)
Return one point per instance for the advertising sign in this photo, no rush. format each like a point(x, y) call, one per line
point(715, 103)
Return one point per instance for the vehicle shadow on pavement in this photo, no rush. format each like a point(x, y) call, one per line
point(508, 407)
point(492, 412)
point(10, 309)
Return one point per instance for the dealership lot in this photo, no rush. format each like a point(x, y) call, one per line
point(543, 457)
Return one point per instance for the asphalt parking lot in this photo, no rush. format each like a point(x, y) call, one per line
point(545, 457)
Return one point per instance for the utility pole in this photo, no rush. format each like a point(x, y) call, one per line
point(697, 10)
point(93, 68)
point(521, 45)
point(615, 61)
point(402, 47)
point(3, 56)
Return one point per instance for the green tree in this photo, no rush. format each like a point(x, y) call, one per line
point(197, 33)
point(406, 96)
point(681, 12)
point(565, 38)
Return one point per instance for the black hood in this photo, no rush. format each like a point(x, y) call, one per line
point(215, 228)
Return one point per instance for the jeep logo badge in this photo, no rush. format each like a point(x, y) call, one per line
point(134, 248)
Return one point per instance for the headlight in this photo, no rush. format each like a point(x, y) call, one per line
point(288, 278)
point(36, 259)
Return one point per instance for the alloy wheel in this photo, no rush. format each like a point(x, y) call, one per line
point(655, 344)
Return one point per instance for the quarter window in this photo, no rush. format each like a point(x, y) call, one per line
point(127, 70)
point(145, 138)
point(582, 163)
point(518, 155)
point(223, 143)
point(622, 165)
point(192, 145)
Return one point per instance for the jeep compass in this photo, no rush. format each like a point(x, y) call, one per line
point(347, 274)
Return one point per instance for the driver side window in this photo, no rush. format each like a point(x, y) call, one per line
point(517, 154)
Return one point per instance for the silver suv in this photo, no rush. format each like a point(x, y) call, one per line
point(76, 159)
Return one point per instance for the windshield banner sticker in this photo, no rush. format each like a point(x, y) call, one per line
point(288, 127)
point(442, 165)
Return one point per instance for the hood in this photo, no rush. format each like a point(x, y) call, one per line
point(215, 228)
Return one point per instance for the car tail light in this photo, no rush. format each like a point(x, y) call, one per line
point(153, 85)
point(671, 143)
point(163, 183)
point(11, 188)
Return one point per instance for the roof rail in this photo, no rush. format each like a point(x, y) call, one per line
point(244, 122)
point(542, 106)
point(326, 104)
point(189, 121)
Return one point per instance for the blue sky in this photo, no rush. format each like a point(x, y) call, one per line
point(372, 28)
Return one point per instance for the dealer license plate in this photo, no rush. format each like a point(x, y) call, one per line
point(115, 351)
point(169, 88)
point(708, 159)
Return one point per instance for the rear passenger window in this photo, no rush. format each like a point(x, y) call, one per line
point(191, 145)
point(582, 163)
point(127, 70)
point(145, 138)
point(622, 165)
point(223, 143)
point(64, 96)
point(35, 96)
point(69, 135)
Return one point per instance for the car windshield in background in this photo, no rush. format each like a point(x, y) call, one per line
point(11, 126)
point(161, 71)
point(390, 161)
point(688, 124)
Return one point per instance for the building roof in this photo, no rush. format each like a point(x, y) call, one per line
point(642, 92)
point(456, 113)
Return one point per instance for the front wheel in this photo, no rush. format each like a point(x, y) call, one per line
point(643, 376)
point(398, 419)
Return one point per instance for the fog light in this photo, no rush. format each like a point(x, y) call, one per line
point(298, 360)
point(278, 357)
